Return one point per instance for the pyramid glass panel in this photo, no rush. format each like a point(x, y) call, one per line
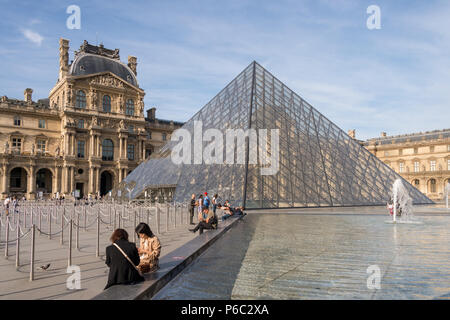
point(318, 163)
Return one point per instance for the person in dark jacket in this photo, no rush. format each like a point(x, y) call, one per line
point(191, 209)
point(210, 222)
point(120, 269)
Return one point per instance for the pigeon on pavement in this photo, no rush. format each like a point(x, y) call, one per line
point(44, 267)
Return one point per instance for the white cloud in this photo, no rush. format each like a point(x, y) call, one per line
point(33, 36)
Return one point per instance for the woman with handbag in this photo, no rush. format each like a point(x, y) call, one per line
point(122, 257)
point(149, 249)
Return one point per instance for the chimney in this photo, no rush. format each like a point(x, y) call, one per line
point(352, 133)
point(132, 63)
point(383, 134)
point(63, 57)
point(151, 113)
point(28, 95)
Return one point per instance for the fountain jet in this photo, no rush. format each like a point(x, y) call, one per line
point(402, 202)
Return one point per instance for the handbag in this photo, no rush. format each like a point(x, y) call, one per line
point(125, 255)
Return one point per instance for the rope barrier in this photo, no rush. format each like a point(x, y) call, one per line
point(94, 221)
point(104, 221)
point(22, 236)
point(52, 234)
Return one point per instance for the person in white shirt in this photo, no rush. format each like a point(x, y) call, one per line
point(6, 204)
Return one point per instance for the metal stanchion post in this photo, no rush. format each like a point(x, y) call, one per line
point(7, 237)
point(115, 215)
point(77, 233)
point(33, 238)
point(158, 217)
point(148, 216)
point(167, 217)
point(97, 251)
point(40, 220)
point(50, 224)
point(62, 226)
point(121, 217)
point(69, 262)
point(188, 214)
point(18, 246)
point(175, 215)
point(85, 219)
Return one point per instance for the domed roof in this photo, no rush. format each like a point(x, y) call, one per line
point(87, 63)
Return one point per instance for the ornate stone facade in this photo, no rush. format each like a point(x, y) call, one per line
point(86, 137)
point(423, 159)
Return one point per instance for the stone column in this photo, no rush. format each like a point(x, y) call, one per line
point(5, 180)
point(68, 180)
point(63, 180)
point(55, 181)
point(91, 180)
point(73, 144)
point(72, 178)
point(32, 181)
point(97, 180)
point(58, 179)
point(99, 152)
point(66, 143)
point(137, 152)
point(125, 147)
point(69, 147)
point(120, 148)
point(91, 146)
point(120, 175)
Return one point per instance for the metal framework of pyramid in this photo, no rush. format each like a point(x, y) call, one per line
point(319, 164)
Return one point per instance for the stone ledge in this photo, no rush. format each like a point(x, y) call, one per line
point(170, 266)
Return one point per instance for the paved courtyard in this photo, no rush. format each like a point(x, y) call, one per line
point(51, 284)
point(323, 253)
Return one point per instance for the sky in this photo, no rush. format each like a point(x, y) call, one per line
point(394, 79)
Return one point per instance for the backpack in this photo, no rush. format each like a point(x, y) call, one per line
point(206, 202)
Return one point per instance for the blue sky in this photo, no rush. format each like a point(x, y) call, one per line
point(395, 79)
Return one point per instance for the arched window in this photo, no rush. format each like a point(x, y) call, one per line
point(81, 99)
point(106, 103)
point(130, 108)
point(433, 186)
point(107, 150)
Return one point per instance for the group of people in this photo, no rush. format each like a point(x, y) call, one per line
point(207, 218)
point(11, 204)
point(126, 262)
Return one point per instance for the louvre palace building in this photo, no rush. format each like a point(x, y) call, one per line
point(423, 158)
point(86, 137)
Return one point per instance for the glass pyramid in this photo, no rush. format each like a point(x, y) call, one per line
point(319, 164)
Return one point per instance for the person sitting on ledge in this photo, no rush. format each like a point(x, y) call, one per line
point(229, 211)
point(119, 258)
point(149, 249)
point(210, 222)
